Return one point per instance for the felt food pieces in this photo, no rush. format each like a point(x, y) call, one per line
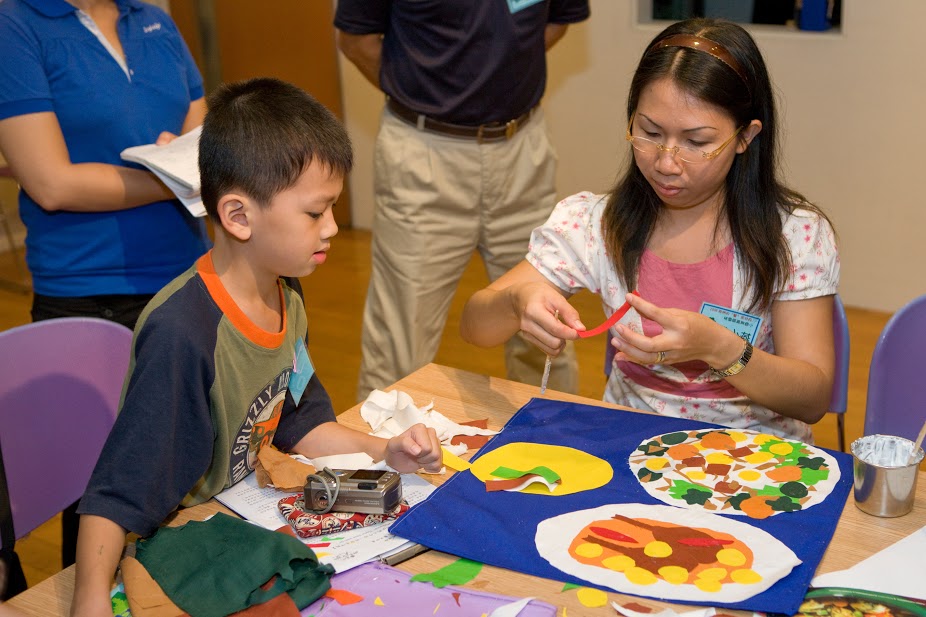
point(542, 469)
point(734, 472)
point(664, 552)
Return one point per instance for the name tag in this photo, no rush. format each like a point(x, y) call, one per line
point(302, 371)
point(744, 325)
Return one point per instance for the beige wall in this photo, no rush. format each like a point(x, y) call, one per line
point(853, 128)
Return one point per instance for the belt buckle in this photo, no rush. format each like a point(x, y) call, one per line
point(511, 127)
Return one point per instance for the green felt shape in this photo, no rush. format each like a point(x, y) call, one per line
point(191, 564)
point(569, 586)
point(544, 472)
point(459, 572)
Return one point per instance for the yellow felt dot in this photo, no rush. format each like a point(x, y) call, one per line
point(674, 574)
point(719, 458)
point(762, 438)
point(619, 563)
point(639, 576)
point(731, 557)
point(379, 602)
point(655, 464)
point(781, 449)
point(708, 585)
point(745, 576)
point(592, 598)
point(697, 444)
point(713, 574)
point(589, 549)
point(750, 475)
point(696, 474)
point(737, 436)
point(757, 458)
point(657, 549)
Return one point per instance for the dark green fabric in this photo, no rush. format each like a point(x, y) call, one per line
point(216, 567)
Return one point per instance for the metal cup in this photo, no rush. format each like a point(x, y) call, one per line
point(885, 479)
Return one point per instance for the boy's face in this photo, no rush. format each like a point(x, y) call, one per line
point(292, 234)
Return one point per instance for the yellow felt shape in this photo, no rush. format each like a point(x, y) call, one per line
point(578, 470)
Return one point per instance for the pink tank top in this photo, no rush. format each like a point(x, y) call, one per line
point(684, 286)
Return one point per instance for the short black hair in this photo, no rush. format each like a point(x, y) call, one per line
point(260, 135)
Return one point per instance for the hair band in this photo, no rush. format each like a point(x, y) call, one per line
point(713, 48)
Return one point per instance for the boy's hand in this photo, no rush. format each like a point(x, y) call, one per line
point(415, 448)
point(96, 606)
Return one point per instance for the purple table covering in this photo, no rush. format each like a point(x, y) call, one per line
point(401, 597)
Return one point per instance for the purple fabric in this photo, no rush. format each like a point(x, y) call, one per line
point(402, 597)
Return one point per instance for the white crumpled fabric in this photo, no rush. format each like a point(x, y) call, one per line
point(392, 413)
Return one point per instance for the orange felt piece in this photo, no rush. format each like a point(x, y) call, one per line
point(280, 606)
point(343, 597)
point(472, 442)
point(284, 472)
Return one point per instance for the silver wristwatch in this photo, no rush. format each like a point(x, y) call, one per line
point(738, 365)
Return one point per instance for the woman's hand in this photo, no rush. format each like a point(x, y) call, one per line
point(685, 336)
point(545, 316)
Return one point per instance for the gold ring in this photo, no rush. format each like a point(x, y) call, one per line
point(660, 357)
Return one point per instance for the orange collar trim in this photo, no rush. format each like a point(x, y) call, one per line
point(206, 269)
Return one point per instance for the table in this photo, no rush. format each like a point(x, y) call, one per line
point(462, 396)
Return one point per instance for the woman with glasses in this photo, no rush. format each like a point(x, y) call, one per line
point(734, 272)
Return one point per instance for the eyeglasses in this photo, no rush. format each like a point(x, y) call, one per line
point(684, 153)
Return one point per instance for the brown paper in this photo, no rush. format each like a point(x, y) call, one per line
point(281, 470)
point(145, 596)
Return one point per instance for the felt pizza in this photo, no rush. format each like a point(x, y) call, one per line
point(665, 552)
point(735, 472)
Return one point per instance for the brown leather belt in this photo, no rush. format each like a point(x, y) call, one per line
point(494, 131)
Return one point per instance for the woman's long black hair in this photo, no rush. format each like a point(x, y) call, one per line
point(754, 199)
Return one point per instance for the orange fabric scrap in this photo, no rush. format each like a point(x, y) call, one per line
point(343, 597)
point(281, 470)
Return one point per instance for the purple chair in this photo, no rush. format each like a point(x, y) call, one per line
point(838, 399)
point(896, 403)
point(59, 393)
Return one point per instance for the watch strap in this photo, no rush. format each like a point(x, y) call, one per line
point(738, 365)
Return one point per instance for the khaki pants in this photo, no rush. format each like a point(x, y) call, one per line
point(437, 199)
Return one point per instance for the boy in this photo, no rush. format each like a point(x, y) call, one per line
point(219, 348)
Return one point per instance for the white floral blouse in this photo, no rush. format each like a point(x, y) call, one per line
point(569, 251)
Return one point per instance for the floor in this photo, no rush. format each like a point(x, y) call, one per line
point(334, 299)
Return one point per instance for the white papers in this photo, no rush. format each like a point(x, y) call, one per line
point(900, 569)
point(392, 413)
point(344, 550)
point(176, 164)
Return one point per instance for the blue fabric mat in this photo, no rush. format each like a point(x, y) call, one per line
point(498, 529)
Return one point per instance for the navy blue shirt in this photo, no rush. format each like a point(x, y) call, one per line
point(50, 62)
point(467, 62)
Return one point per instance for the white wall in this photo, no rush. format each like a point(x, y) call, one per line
point(853, 111)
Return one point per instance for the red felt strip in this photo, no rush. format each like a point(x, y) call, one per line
point(613, 319)
point(610, 534)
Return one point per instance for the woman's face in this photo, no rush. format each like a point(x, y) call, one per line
point(670, 116)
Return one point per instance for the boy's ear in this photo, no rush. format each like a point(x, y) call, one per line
point(234, 214)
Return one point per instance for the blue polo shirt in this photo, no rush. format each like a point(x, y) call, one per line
point(50, 62)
